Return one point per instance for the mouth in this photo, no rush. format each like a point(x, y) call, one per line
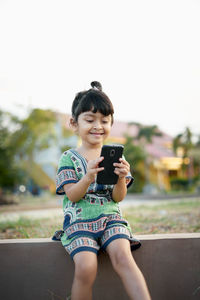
point(97, 133)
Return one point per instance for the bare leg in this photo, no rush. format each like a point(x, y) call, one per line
point(84, 276)
point(125, 266)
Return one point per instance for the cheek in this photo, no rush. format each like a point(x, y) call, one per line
point(84, 126)
point(108, 129)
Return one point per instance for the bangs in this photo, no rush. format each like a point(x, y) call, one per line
point(95, 102)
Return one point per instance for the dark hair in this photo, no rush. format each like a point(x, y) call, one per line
point(94, 100)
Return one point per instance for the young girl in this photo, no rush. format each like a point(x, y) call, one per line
point(92, 218)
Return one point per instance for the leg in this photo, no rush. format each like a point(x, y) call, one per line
point(84, 276)
point(125, 266)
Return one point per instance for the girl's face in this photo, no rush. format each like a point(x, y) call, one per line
point(93, 128)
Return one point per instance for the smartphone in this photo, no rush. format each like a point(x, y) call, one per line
point(111, 154)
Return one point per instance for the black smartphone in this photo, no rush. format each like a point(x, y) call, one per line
point(111, 154)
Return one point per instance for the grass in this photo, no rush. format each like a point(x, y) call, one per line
point(171, 217)
point(28, 228)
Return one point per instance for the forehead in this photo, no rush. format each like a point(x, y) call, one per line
point(94, 115)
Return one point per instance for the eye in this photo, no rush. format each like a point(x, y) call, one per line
point(89, 121)
point(104, 121)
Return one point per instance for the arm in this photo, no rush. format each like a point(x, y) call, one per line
point(75, 191)
point(120, 189)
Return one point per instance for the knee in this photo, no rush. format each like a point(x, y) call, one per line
point(85, 271)
point(122, 260)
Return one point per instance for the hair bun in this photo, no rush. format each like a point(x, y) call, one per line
point(97, 85)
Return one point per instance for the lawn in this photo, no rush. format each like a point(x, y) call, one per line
point(167, 217)
point(172, 217)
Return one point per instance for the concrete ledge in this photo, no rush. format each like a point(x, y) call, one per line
point(40, 269)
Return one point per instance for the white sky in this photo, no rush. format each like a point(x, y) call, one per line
point(145, 53)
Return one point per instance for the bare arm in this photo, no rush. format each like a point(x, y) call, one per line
point(120, 189)
point(75, 191)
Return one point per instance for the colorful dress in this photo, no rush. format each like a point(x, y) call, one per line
point(95, 220)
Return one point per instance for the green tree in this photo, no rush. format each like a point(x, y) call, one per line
point(183, 141)
point(10, 173)
point(146, 133)
point(19, 140)
point(183, 145)
point(35, 133)
point(145, 136)
point(194, 154)
point(134, 155)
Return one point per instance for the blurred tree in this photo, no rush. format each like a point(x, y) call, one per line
point(19, 140)
point(10, 173)
point(183, 141)
point(135, 155)
point(198, 141)
point(66, 134)
point(146, 133)
point(34, 133)
point(182, 145)
point(194, 154)
point(65, 148)
point(185, 147)
point(145, 136)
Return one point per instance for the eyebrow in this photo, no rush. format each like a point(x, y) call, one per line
point(89, 114)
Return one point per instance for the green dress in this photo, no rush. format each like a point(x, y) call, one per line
point(96, 219)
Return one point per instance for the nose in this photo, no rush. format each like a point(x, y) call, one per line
point(97, 125)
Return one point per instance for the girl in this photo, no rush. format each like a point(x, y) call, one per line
point(92, 218)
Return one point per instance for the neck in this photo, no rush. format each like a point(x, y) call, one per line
point(90, 151)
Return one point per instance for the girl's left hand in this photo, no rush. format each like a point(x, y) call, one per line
point(122, 169)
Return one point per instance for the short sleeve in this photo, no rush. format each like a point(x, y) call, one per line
point(65, 174)
point(129, 180)
point(129, 177)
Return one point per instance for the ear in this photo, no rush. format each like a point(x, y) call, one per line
point(73, 124)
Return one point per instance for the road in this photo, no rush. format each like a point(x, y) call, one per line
point(130, 200)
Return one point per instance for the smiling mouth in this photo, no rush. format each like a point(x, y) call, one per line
point(96, 133)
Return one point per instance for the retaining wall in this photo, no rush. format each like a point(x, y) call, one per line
point(40, 269)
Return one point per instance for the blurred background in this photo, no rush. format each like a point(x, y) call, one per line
point(145, 54)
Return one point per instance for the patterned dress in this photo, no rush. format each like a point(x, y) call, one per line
point(95, 220)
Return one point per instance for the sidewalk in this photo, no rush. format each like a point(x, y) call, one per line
point(56, 211)
point(151, 200)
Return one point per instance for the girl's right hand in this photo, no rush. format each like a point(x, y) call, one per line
point(93, 169)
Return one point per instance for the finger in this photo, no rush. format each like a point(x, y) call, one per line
point(121, 171)
point(116, 172)
point(93, 172)
point(94, 163)
point(99, 169)
point(124, 161)
point(118, 165)
point(120, 174)
point(121, 163)
point(98, 160)
point(122, 166)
